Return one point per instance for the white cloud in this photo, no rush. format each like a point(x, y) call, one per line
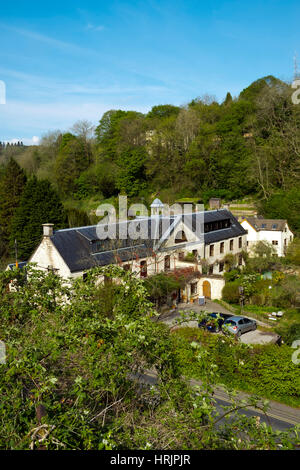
point(33, 141)
point(92, 27)
point(41, 118)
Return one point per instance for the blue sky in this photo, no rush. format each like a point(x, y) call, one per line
point(66, 60)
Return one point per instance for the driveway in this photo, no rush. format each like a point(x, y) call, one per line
point(252, 337)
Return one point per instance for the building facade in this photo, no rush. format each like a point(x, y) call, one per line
point(273, 231)
point(195, 246)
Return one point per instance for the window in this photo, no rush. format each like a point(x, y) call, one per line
point(240, 260)
point(211, 250)
point(218, 225)
point(181, 256)
point(211, 269)
point(274, 242)
point(195, 253)
point(240, 242)
point(180, 237)
point(221, 267)
point(167, 263)
point(222, 247)
point(194, 288)
point(274, 226)
point(231, 245)
point(143, 267)
point(263, 225)
point(285, 242)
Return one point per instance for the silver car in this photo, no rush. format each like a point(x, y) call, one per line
point(239, 325)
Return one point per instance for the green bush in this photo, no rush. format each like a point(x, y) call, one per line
point(266, 370)
point(290, 333)
point(230, 292)
point(231, 276)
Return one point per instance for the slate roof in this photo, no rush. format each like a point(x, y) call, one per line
point(81, 248)
point(259, 223)
point(234, 230)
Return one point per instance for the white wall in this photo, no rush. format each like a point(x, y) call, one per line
point(46, 256)
point(269, 236)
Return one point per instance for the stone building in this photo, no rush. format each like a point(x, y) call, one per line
point(195, 244)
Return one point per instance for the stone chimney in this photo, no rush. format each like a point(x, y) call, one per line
point(48, 230)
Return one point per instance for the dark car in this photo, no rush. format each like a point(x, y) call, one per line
point(214, 321)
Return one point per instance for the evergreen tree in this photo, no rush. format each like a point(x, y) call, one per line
point(39, 204)
point(73, 158)
point(12, 185)
point(228, 99)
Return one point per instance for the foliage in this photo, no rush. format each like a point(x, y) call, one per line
point(74, 156)
point(293, 252)
point(12, 182)
point(39, 204)
point(161, 286)
point(71, 379)
point(284, 205)
point(232, 275)
point(264, 370)
point(131, 176)
point(230, 292)
point(290, 333)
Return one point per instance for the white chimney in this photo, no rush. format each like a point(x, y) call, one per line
point(48, 230)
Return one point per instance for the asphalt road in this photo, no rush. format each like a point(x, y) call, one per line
point(280, 417)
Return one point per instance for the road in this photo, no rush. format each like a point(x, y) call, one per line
point(280, 417)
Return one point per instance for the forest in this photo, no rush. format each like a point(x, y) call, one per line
point(246, 148)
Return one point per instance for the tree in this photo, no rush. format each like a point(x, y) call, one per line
point(71, 378)
point(131, 175)
point(161, 286)
point(74, 156)
point(283, 205)
point(39, 204)
point(12, 184)
point(163, 111)
point(83, 129)
point(293, 252)
point(228, 100)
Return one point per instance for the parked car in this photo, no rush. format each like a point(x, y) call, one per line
point(239, 325)
point(214, 321)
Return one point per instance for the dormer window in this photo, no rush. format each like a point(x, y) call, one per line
point(180, 237)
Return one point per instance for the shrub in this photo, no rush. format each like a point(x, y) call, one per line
point(290, 333)
point(232, 275)
point(230, 292)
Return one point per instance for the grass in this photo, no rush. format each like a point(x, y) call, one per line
point(243, 209)
point(88, 205)
point(261, 313)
